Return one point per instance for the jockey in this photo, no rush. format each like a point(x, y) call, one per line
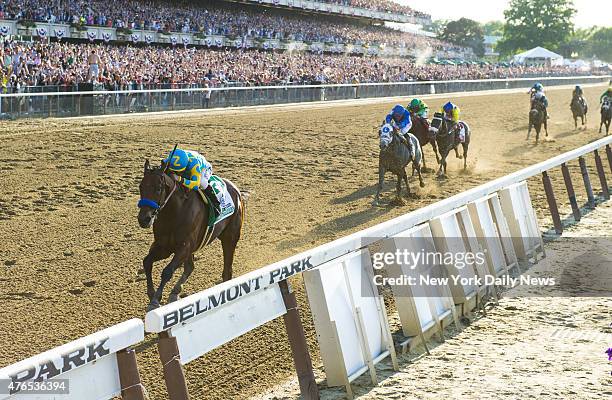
point(191, 169)
point(537, 93)
point(420, 109)
point(607, 93)
point(537, 87)
point(451, 113)
point(399, 118)
point(577, 93)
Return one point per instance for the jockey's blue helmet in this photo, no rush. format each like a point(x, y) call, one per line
point(398, 110)
point(179, 161)
point(577, 87)
point(538, 86)
point(448, 107)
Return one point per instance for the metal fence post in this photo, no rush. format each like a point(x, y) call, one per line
point(570, 192)
point(299, 347)
point(587, 181)
point(552, 203)
point(602, 176)
point(173, 370)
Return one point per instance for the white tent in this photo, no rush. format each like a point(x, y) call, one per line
point(539, 55)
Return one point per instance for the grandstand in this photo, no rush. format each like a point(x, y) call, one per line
point(150, 44)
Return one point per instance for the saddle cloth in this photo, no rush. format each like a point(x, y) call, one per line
point(226, 203)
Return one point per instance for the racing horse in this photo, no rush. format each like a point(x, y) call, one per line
point(394, 156)
point(422, 132)
point(579, 109)
point(606, 114)
point(180, 221)
point(447, 140)
point(537, 118)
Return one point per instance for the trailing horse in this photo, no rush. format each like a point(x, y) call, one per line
point(537, 118)
point(183, 223)
point(394, 156)
point(606, 114)
point(447, 140)
point(425, 136)
point(579, 110)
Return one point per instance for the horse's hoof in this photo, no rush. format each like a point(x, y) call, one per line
point(152, 306)
point(172, 298)
point(422, 184)
point(398, 202)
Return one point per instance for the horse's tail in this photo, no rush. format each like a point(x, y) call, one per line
point(244, 198)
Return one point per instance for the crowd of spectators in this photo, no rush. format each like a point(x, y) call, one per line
point(209, 18)
point(128, 67)
point(380, 5)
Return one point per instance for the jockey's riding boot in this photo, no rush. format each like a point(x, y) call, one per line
point(213, 198)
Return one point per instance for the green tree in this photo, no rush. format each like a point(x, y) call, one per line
point(438, 26)
point(531, 23)
point(493, 28)
point(600, 44)
point(465, 32)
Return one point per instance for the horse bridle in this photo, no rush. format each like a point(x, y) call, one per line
point(153, 204)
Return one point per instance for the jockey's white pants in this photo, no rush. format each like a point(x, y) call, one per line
point(206, 174)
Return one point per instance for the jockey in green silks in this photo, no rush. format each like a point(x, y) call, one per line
point(607, 93)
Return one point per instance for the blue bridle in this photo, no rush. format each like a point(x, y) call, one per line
point(153, 204)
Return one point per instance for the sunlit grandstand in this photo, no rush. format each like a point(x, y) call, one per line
point(155, 44)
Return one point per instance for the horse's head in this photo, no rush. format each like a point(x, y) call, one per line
point(155, 189)
point(440, 124)
point(385, 136)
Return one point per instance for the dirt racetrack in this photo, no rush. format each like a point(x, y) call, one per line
point(71, 247)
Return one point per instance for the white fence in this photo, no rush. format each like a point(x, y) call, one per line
point(96, 367)
point(351, 321)
point(101, 102)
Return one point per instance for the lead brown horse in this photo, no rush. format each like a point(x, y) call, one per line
point(180, 223)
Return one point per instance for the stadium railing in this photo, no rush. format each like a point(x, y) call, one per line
point(100, 102)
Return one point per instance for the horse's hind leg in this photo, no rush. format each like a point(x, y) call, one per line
point(421, 183)
point(229, 241)
point(405, 178)
point(188, 266)
point(435, 149)
point(546, 124)
point(422, 159)
point(398, 186)
point(529, 131)
point(465, 154)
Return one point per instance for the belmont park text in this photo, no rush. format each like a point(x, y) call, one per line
point(213, 301)
point(423, 280)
